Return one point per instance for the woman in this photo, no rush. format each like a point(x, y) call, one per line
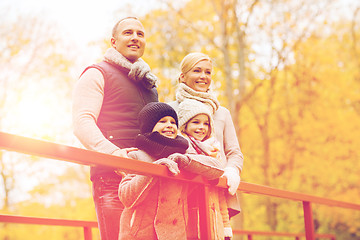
point(194, 83)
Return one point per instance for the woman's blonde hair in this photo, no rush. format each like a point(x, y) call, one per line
point(191, 60)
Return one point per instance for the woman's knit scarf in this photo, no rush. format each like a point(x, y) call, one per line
point(184, 92)
point(139, 71)
point(159, 146)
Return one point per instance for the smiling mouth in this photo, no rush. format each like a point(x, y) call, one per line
point(201, 83)
point(134, 46)
point(168, 132)
point(199, 136)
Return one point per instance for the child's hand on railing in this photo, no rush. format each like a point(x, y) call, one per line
point(181, 159)
point(170, 164)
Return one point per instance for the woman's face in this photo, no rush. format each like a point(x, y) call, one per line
point(166, 126)
point(199, 77)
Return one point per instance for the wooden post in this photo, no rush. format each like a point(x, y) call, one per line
point(309, 222)
point(87, 233)
point(205, 231)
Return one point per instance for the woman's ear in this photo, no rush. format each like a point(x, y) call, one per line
point(181, 78)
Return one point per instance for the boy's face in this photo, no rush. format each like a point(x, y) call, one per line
point(198, 127)
point(166, 127)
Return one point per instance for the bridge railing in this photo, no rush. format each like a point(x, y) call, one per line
point(55, 151)
point(86, 225)
point(296, 236)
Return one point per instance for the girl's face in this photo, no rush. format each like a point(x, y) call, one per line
point(199, 77)
point(198, 127)
point(166, 126)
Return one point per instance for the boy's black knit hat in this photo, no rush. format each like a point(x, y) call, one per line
point(152, 113)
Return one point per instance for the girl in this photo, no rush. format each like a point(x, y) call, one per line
point(196, 124)
point(156, 208)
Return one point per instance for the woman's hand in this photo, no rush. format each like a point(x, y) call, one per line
point(233, 179)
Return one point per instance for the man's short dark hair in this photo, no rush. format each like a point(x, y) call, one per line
point(114, 30)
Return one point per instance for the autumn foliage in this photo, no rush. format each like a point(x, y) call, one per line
point(289, 71)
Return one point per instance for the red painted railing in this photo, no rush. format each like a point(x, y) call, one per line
point(81, 156)
point(86, 225)
point(296, 236)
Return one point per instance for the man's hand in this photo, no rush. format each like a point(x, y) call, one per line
point(123, 152)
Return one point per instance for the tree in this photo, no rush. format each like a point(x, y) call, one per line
point(37, 71)
point(261, 78)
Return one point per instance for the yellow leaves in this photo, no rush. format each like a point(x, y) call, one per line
point(301, 113)
point(305, 115)
point(80, 210)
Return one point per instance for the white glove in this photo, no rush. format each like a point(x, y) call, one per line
point(233, 179)
point(228, 232)
point(170, 164)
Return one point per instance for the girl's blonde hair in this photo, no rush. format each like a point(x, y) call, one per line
point(190, 60)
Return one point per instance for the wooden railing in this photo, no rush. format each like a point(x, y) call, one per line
point(296, 236)
point(81, 156)
point(86, 225)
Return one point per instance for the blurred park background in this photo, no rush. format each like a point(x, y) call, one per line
point(289, 71)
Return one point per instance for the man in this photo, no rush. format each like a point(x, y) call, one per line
point(106, 102)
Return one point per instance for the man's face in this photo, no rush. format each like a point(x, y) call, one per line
point(130, 39)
